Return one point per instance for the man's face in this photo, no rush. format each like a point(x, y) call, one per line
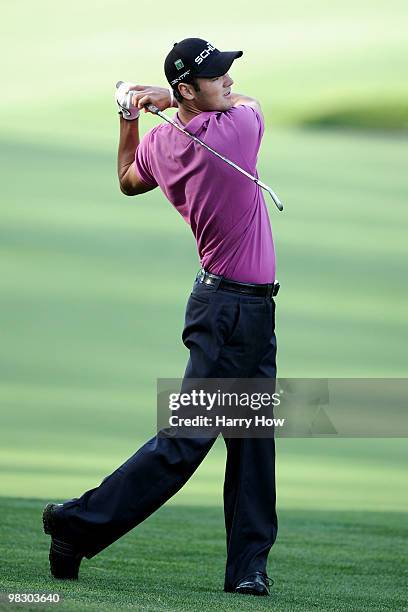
point(214, 94)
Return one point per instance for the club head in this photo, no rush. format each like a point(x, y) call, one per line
point(273, 195)
point(275, 198)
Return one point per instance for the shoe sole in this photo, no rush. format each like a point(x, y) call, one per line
point(251, 592)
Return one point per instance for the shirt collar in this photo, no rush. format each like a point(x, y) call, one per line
point(194, 125)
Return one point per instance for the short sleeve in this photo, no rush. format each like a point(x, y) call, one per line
point(250, 128)
point(142, 161)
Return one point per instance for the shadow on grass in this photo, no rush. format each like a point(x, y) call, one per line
point(374, 115)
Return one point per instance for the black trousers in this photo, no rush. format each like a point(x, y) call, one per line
point(228, 336)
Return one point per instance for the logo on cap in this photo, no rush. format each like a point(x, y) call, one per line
point(179, 64)
point(181, 77)
point(205, 53)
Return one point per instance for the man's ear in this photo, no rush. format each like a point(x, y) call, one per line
point(186, 90)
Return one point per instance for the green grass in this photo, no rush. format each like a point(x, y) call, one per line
point(300, 59)
point(82, 343)
point(175, 560)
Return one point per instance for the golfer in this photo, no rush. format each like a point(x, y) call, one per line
point(230, 317)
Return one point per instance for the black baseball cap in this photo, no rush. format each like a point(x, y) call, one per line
point(195, 57)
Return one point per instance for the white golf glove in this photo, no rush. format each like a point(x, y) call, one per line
point(124, 101)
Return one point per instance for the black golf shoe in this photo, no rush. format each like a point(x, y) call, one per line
point(64, 558)
point(257, 583)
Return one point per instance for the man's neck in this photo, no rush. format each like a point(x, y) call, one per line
point(186, 113)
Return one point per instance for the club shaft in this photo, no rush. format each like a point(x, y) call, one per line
point(156, 111)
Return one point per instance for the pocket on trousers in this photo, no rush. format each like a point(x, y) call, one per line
point(227, 321)
point(200, 298)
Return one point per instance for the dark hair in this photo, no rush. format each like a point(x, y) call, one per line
point(192, 82)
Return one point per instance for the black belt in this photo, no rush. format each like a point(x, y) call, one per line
point(269, 290)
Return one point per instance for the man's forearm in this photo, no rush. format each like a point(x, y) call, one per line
point(128, 143)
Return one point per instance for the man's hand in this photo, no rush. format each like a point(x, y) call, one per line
point(124, 101)
point(148, 94)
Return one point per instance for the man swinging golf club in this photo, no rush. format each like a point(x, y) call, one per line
point(230, 315)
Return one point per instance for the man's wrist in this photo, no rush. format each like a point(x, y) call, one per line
point(124, 121)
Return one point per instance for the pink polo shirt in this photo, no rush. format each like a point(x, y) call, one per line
point(225, 210)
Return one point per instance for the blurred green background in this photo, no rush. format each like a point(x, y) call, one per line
point(90, 313)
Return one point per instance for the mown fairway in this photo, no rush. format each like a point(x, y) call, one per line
point(91, 316)
point(336, 561)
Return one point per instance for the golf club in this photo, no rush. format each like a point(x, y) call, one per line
point(153, 109)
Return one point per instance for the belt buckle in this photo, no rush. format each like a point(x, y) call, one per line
point(200, 275)
point(272, 290)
